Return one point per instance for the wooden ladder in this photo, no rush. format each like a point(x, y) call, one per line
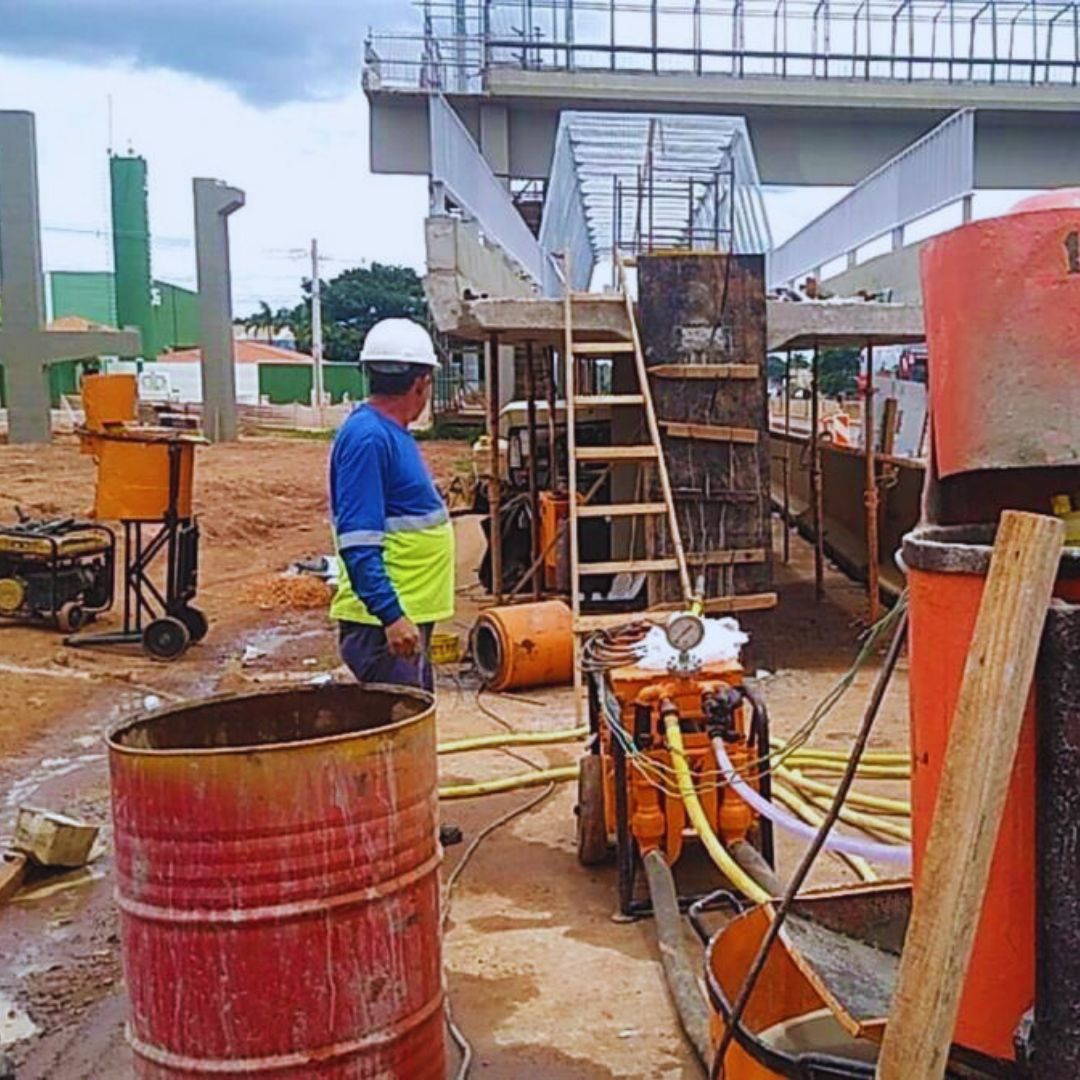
point(647, 454)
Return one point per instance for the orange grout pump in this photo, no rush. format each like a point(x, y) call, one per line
point(635, 789)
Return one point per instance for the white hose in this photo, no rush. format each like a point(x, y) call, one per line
point(899, 854)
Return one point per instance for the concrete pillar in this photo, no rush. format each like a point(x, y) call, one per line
point(506, 375)
point(21, 278)
point(495, 140)
point(214, 202)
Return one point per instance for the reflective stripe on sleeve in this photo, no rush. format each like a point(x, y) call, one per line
point(361, 538)
point(415, 522)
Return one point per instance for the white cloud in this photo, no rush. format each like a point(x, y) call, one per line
point(303, 166)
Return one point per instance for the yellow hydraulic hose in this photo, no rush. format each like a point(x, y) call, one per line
point(798, 805)
point(514, 738)
point(867, 772)
point(509, 783)
point(873, 803)
point(871, 757)
point(876, 825)
point(717, 852)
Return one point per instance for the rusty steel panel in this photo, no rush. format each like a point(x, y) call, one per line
point(707, 308)
point(1002, 300)
point(277, 879)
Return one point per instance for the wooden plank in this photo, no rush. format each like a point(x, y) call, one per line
point(971, 797)
point(601, 510)
point(705, 371)
point(680, 430)
point(629, 566)
point(610, 453)
point(726, 605)
point(718, 605)
point(13, 865)
point(587, 400)
point(726, 557)
point(603, 349)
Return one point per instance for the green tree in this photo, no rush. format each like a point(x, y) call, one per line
point(837, 372)
point(354, 301)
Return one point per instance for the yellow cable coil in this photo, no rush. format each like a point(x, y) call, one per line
point(717, 852)
point(509, 783)
point(508, 738)
point(873, 803)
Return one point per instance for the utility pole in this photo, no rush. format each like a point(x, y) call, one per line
point(316, 329)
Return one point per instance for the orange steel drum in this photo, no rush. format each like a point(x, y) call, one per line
point(946, 571)
point(1002, 308)
point(108, 399)
point(133, 476)
point(277, 878)
point(525, 645)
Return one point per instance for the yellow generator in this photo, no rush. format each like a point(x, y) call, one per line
point(646, 722)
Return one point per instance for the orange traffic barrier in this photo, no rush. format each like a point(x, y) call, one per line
point(525, 645)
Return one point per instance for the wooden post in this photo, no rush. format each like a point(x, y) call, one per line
point(971, 797)
point(787, 458)
point(870, 493)
point(534, 491)
point(495, 485)
point(816, 495)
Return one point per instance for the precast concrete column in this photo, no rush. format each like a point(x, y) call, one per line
point(214, 202)
point(26, 374)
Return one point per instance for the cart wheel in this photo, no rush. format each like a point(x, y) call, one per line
point(71, 617)
point(592, 838)
point(195, 621)
point(166, 638)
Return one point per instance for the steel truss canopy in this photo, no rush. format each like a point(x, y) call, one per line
point(641, 182)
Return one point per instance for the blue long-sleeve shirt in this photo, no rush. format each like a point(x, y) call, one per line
point(392, 530)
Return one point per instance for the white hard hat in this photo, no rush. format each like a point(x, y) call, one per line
point(398, 341)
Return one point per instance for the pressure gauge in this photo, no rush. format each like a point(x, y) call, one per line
point(685, 631)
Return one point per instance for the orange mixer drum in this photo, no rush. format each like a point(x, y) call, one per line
point(946, 572)
point(137, 470)
point(1002, 308)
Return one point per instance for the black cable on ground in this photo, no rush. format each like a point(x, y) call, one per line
point(812, 852)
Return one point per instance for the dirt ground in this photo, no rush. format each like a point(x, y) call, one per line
point(543, 981)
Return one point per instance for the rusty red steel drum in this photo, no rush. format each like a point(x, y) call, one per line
point(277, 878)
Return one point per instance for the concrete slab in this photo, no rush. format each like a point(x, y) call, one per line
point(837, 324)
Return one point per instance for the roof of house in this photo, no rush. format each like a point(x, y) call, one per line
point(246, 351)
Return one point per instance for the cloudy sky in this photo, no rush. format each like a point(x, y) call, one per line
point(264, 94)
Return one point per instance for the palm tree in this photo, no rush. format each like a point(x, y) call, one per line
point(263, 319)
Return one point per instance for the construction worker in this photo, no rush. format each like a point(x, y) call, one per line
point(393, 534)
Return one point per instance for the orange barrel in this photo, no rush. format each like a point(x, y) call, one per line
point(277, 878)
point(135, 470)
point(525, 645)
point(1002, 309)
point(108, 399)
point(946, 571)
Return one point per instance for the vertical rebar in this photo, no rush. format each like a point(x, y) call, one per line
point(871, 492)
point(816, 481)
point(534, 489)
point(495, 485)
point(787, 458)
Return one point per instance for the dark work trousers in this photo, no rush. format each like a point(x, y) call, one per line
point(365, 651)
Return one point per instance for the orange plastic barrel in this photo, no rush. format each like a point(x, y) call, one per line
point(523, 645)
point(135, 472)
point(946, 572)
point(277, 878)
point(108, 400)
point(1002, 313)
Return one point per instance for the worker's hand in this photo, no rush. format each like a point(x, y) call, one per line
point(402, 637)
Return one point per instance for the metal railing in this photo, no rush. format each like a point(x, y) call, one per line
point(459, 174)
point(954, 41)
point(930, 174)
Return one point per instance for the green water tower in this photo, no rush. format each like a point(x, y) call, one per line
point(131, 248)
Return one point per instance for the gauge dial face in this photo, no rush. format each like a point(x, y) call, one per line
point(685, 631)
